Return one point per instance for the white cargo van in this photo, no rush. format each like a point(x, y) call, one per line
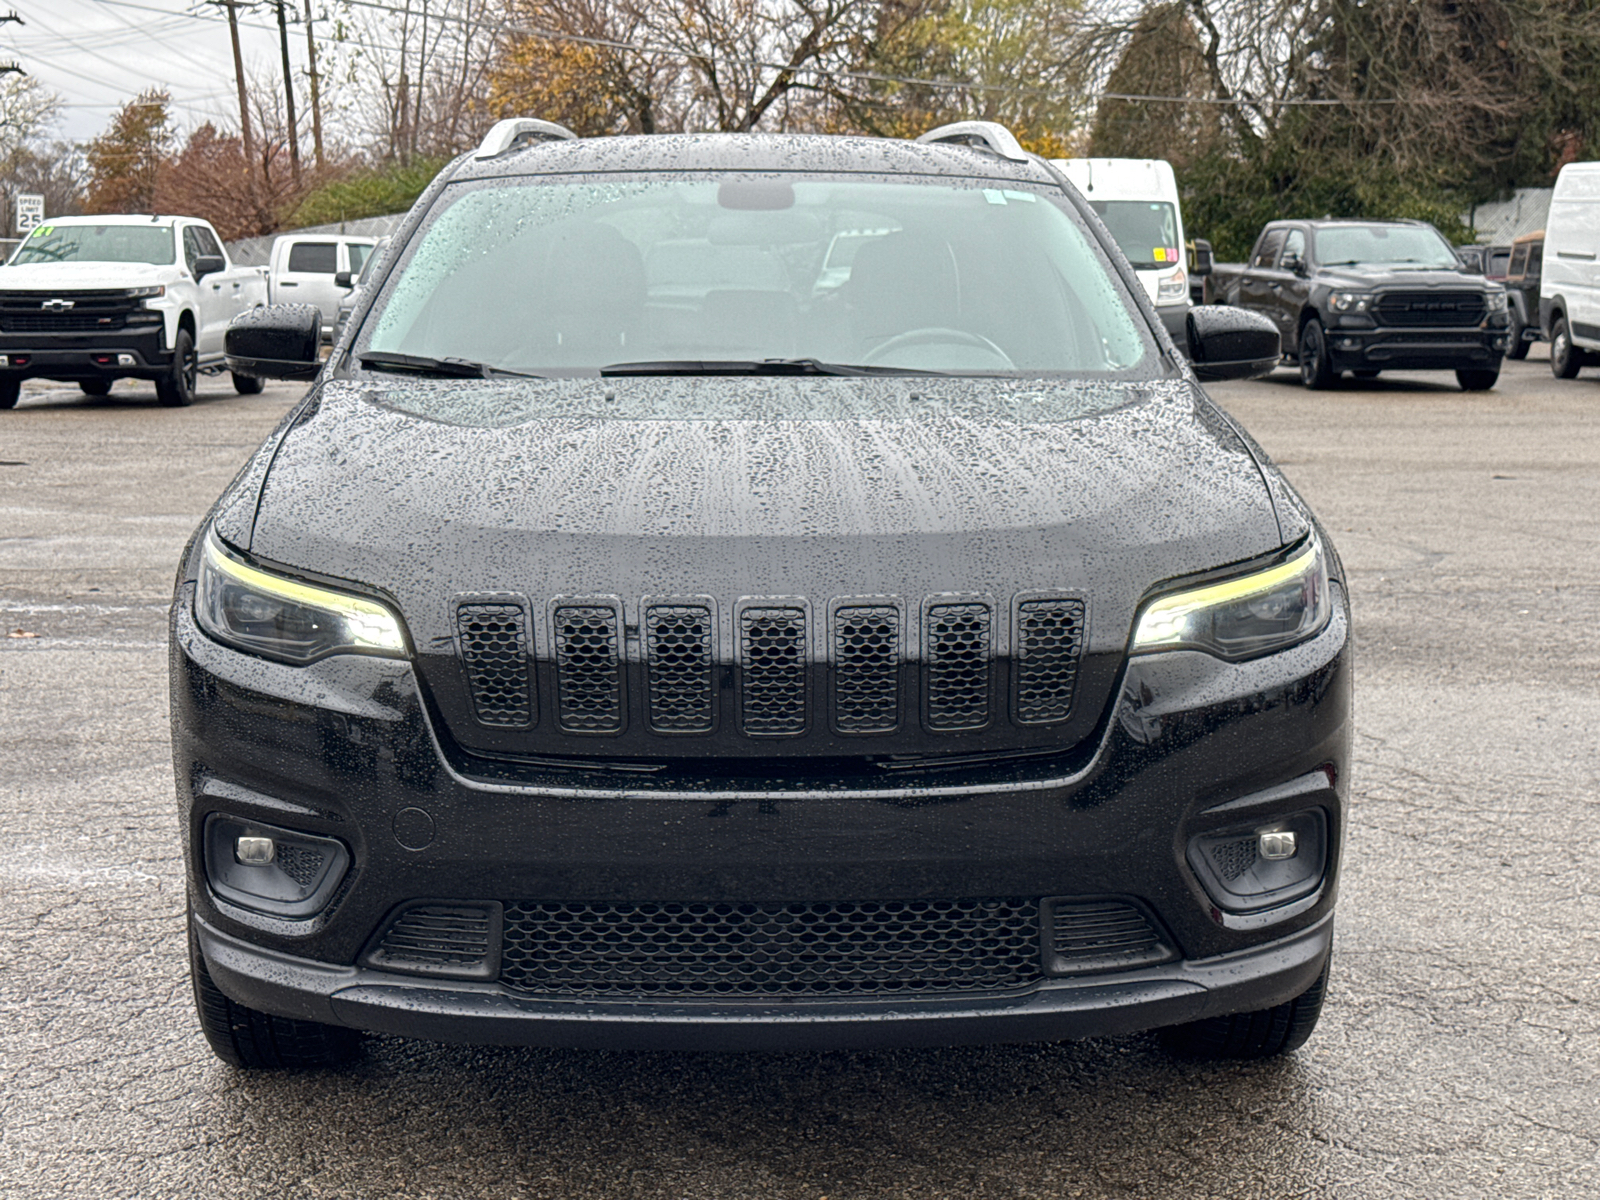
point(1137, 198)
point(304, 266)
point(1569, 290)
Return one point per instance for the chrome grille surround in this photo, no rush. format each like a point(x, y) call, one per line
point(774, 668)
point(680, 645)
point(496, 652)
point(1047, 643)
point(868, 638)
point(958, 642)
point(587, 635)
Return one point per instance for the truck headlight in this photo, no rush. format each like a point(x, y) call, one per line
point(1173, 288)
point(1498, 301)
point(294, 622)
point(1244, 617)
point(1350, 302)
point(147, 293)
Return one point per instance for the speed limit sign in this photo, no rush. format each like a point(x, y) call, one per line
point(30, 212)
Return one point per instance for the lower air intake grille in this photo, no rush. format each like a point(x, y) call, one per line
point(1104, 935)
point(1049, 641)
point(911, 947)
point(678, 644)
point(588, 675)
point(440, 939)
point(958, 666)
point(494, 651)
point(866, 668)
point(772, 652)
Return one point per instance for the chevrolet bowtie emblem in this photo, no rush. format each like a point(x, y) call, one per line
point(57, 305)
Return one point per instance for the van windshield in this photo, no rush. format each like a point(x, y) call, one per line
point(98, 243)
point(896, 274)
point(1147, 230)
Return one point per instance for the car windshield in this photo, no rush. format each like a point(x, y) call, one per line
point(1147, 231)
point(667, 274)
point(1399, 245)
point(97, 243)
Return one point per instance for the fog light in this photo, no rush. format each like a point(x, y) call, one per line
point(127, 360)
point(256, 851)
point(1276, 845)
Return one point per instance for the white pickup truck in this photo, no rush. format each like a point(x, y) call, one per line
point(317, 268)
point(89, 300)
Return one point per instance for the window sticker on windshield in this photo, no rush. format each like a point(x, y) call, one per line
point(1159, 254)
point(1025, 197)
point(43, 231)
point(994, 195)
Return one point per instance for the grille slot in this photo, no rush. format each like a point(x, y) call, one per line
point(1102, 935)
point(866, 668)
point(1438, 309)
point(441, 939)
point(588, 672)
point(679, 643)
point(1233, 859)
point(1049, 644)
point(957, 657)
point(772, 652)
point(718, 951)
point(495, 652)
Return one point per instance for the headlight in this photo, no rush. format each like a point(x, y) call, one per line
point(147, 293)
point(1172, 289)
point(1241, 618)
point(253, 610)
point(1350, 302)
point(1498, 301)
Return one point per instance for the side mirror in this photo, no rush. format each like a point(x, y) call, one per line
point(208, 264)
point(1232, 343)
point(1201, 251)
point(344, 279)
point(277, 341)
point(1294, 264)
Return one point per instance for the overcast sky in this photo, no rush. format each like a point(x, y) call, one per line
point(96, 54)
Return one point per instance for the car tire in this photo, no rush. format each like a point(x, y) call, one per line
point(10, 390)
point(1261, 1034)
point(1477, 380)
point(1566, 360)
point(1518, 349)
point(247, 385)
point(176, 388)
point(243, 1037)
point(1316, 367)
point(95, 387)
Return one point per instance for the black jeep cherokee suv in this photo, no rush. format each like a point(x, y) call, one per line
point(638, 638)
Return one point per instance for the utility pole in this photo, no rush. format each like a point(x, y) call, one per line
point(288, 95)
point(244, 99)
point(316, 91)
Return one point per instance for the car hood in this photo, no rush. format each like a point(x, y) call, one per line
point(1379, 276)
point(83, 276)
point(978, 488)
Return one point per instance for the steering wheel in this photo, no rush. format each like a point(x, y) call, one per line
point(937, 335)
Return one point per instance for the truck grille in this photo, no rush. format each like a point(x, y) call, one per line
point(715, 951)
point(1436, 309)
point(90, 312)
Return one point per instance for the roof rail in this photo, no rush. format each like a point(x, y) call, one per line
point(988, 135)
point(509, 132)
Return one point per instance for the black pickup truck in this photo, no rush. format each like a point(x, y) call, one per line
point(1370, 296)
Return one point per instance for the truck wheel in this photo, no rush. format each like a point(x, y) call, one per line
point(1316, 368)
point(1519, 345)
point(243, 1037)
point(95, 387)
point(176, 388)
point(1261, 1034)
point(10, 389)
point(1477, 380)
point(247, 385)
point(1566, 360)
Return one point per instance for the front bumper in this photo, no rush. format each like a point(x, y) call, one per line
point(347, 749)
point(1391, 349)
point(132, 353)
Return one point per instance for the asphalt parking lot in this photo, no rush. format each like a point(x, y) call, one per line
point(1459, 1055)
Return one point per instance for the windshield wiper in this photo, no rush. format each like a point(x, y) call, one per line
point(764, 366)
point(450, 368)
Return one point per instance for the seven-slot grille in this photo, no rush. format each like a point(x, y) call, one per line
point(866, 655)
point(733, 950)
point(1436, 309)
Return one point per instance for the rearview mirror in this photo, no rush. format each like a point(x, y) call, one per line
point(1231, 343)
point(277, 341)
point(208, 264)
point(1200, 252)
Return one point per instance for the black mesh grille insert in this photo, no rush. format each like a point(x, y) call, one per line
point(1049, 642)
point(1233, 859)
point(1438, 309)
point(437, 934)
point(866, 668)
point(760, 950)
point(958, 666)
point(494, 651)
point(1100, 935)
point(301, 863)
point(588, 675)
point(678, 644)
point(772, 652)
